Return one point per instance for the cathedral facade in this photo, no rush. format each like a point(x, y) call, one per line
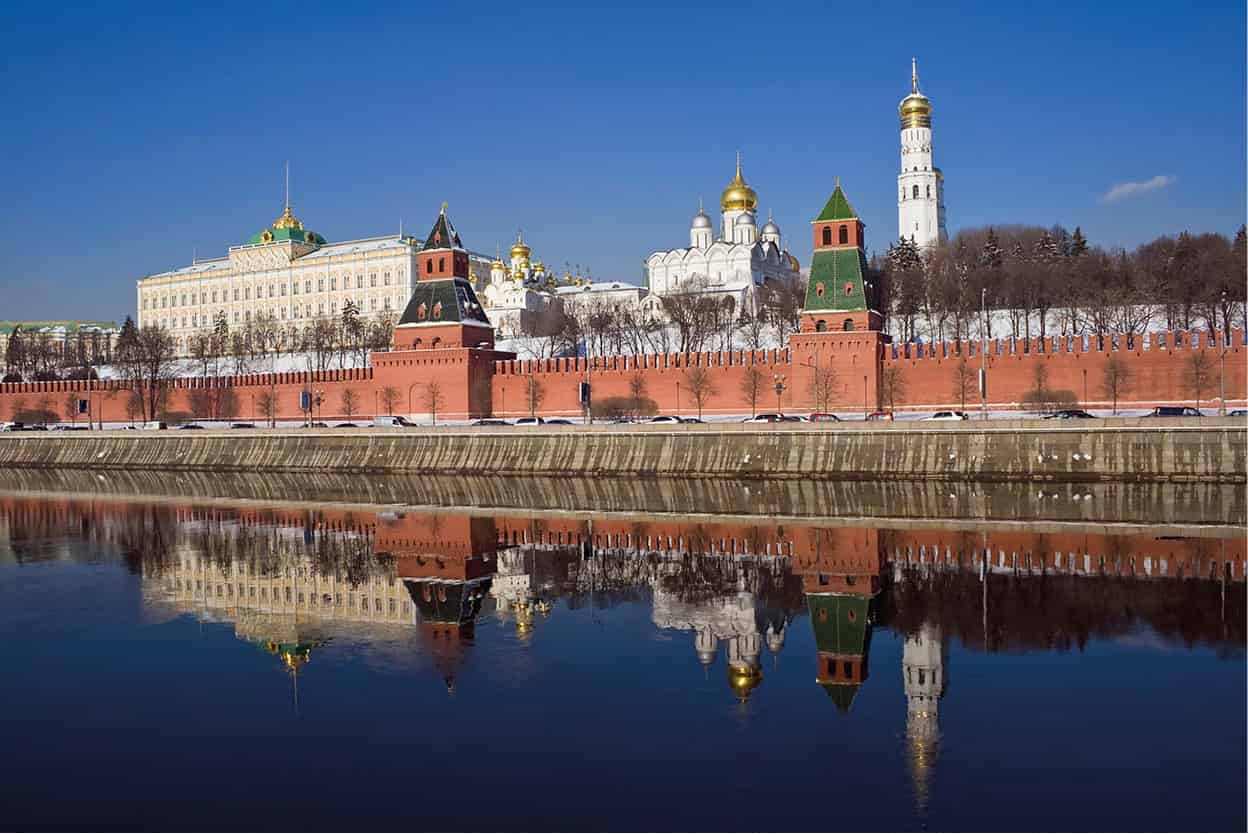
point(735, 263)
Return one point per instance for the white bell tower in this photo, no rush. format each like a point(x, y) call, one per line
point(920, 185)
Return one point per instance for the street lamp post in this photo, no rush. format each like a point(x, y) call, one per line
point(1222, 364)
point(983, 355)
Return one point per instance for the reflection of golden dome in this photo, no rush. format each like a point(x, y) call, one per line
point(915, 109)
point(738, 195)
point(744, 680)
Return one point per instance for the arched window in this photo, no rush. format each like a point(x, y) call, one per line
point(821, 326)
point(827, 235)
point(916, 192)
point(844, 234)
point(849, 325)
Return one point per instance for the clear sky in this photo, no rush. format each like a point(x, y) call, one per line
point(136, 135)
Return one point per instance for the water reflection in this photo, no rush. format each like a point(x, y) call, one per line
point(291, 580)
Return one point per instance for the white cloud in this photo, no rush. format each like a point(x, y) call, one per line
point(1123, 190)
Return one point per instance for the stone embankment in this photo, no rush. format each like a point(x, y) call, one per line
point(1209, 450)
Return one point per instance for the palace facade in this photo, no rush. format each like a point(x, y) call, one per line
point(289, 274)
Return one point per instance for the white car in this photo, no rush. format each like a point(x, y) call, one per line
point(946, 417)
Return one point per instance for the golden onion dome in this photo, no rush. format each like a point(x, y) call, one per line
point(287, 221)
point(744, 680)
point(915, 109)
point(738, 195)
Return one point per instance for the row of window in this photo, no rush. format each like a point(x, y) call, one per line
point(275, 290)
point(296, 311)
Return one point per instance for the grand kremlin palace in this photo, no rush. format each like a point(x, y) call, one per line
point(290, 273)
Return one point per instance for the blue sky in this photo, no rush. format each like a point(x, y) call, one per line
point(135, 136)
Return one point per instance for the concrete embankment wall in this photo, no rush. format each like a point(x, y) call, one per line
point(1128, 450)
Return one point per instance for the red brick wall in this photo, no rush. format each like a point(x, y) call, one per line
point(477, 382)
point(1159, 366)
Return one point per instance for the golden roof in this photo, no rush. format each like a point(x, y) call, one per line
point(744, 680)
point(287, 221)
point(519, 249)
point(915, 109)
point(738, 195)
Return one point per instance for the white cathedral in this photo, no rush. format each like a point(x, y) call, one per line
point(921, 185)
point(736, 263)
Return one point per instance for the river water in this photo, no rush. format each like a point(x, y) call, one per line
point(211, 656)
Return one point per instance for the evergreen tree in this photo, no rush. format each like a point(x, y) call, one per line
point(1078, 243)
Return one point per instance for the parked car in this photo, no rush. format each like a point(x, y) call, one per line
point(1175, 411)
point(665, 418)
point(530, 421)
point(822, 417)
point(242, 425)
point(880, 417)
point(946, 417)
point(1070, 414)
point(490, 422)
point(392, 421)
point(189, 426)
point(558, 421)
point(764, 418)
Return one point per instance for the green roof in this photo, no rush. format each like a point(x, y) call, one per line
point(839, 622)
point(442, 235)
point(837, 207)
point(842, 694)
point(299, 235)
point(443, 301)
point(834, 270)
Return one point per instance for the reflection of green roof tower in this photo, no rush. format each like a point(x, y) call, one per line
point(837, 296)
point(842, 638)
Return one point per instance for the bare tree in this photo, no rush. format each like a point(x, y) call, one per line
point(390, 397)
point(1199, 372)
point(534, 393)
point(636, 394)
point(753, 383)
point(1115, 379)
point(892, 386)
point(350, 402)
point(822, 388)
point(700, 384)
point(433, 400)
point(964, 381)
point(269, 406)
